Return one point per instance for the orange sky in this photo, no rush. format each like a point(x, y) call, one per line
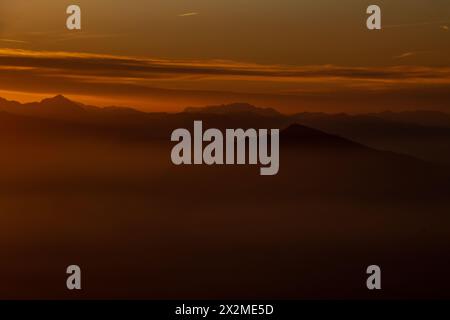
point(289, 54)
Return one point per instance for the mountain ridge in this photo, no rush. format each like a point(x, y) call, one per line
point(60, 104)
point(399, 132)
point(239, 107)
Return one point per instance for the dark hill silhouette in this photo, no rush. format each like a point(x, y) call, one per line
point(306, 147)
point(297, 134)
point(421, 134)
point(299, 139)
point(335, 207)
point(430, 143)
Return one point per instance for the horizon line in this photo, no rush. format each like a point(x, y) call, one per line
point(50, 97)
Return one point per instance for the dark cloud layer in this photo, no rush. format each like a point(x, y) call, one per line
point(190, 81)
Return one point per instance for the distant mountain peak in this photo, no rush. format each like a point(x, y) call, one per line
point(58, 99)
point(233, 108)
point(60, 104)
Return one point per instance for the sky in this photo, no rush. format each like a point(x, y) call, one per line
point(293, 55)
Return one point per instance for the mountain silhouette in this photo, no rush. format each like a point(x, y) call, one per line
point(297, 134)
point(234, 108)
point(399, 132)
point(331, 198)
point(421, 134)
point(60, 107)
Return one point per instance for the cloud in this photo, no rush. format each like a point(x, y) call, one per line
point(184, 82)
point(13, 41)
point(405, 55)
point(84, 35)
point(133, 68)
point(188, 14)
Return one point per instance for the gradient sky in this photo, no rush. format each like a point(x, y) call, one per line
point(294, 55)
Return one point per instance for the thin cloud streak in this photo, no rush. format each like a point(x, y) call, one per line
point(13, 41)
point(188, 14)
point(83, 36)
point(405, 55)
